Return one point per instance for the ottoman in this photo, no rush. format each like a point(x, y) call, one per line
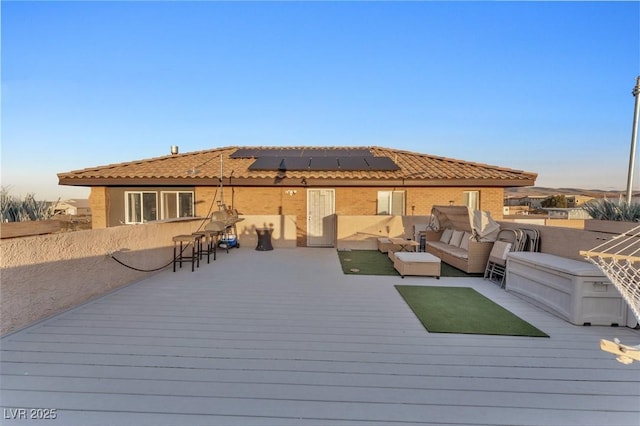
point(417, 263)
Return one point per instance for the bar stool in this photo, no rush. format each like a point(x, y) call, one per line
point(179, 257)
point(200, 249)
point(211, 237)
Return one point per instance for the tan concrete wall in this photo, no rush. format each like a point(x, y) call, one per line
point(288, 201)
point(564, 241)
point(563, 223)
point(566, 223)
point(362, 232)
point(43, 275)
point(282, 236)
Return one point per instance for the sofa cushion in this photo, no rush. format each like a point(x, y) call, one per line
point(449, 249)
point(438, 245)
point(456, 237)
point(458, 252)
point(464, 243)
point(446, 235)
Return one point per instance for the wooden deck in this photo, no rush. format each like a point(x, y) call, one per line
point(284, 338)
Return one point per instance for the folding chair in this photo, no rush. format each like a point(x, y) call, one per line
point(497, 264)
point(533, 239)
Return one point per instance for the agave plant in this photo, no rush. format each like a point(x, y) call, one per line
point(13, 209)
point(610, 210)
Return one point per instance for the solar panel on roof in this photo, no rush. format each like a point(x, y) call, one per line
point(271, 153)
point(316, 152)
point(330, 159)
point(356, 152)
point(384, 164)
point(301, 152)
point(245, 153)
point(266, 163)
point(296, 163)
point(352, 163)
point(324, 163)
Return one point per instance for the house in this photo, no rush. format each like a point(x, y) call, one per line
point(532, 202)
point(312, 183)
point(73, 208)
point(567, 213)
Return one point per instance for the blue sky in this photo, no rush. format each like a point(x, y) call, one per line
point(537, 86)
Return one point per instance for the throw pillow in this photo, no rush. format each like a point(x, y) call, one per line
point(464, 243)
point(456, 237)
point(446, 236)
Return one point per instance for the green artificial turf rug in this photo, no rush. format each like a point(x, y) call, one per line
point(372, 262)
point(463, 310)
point(366, 262)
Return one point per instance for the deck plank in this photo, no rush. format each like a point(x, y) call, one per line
point(292, 340)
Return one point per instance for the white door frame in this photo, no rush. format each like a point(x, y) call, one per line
point(321, 218)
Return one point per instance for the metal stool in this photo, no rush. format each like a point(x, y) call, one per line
point(211, 238)
point(179, 257)
point(200, 251)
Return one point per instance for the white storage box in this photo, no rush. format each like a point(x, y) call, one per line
point(575, 291)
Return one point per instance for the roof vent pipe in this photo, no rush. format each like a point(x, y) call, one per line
point(174, 149)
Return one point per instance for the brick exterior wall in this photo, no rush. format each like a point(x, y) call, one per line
point(349, 201)
point(204, 200)
point(270, 201)
point(293, 201)
point(99, 203)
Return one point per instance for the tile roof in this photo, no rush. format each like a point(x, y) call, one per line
point(204, 165)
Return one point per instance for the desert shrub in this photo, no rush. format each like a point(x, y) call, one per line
point(12, 209)
point(613, 210)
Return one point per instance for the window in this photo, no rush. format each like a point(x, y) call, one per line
point(391, 202)
point(177, 204)
point(141, 206)
point(472, 200)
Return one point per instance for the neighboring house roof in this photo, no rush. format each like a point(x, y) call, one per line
point(72, 207)
point(203, 168)
point(80, 203)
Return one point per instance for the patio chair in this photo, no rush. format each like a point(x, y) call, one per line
point(497, 264)
point(533, 239)
point(515, 236)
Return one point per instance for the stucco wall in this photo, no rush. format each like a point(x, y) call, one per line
point(362, 232)
point(282, 236)
point(43, 275)
point(46, 274)
point(567, 242)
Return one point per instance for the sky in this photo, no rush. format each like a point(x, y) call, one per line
point(543, 87)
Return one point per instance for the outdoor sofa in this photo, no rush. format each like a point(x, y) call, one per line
point(459, 249)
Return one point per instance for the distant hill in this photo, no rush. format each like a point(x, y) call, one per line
point(545, 192)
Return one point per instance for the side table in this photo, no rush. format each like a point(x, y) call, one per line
point(264, 239)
